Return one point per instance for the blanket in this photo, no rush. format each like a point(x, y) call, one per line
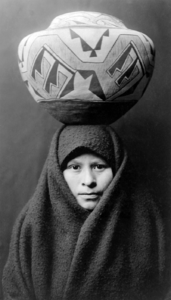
point(60, 251)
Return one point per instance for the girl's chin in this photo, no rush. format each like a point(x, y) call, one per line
point(89, 204)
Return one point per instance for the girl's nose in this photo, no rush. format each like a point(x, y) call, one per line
point(88, 178)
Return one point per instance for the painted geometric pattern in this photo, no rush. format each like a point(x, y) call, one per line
point(89, 45)
point(86, 18)
point(57, 79)
point(50, 72)
point(99, 64)
point(127, 67)
point(86, 47)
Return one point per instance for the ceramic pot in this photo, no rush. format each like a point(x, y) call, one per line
point(87, 67)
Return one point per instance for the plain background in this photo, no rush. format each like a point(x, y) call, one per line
point(26, 130)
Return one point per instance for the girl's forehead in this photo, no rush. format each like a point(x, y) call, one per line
point(87, 157)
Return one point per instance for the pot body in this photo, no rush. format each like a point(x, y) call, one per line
point(86, 67)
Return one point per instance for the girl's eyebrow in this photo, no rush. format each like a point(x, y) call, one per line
point(94, 161)
point(75, 161)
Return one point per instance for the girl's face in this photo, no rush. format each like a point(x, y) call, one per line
point(88, 176)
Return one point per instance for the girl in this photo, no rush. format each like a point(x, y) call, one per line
point(90, 230)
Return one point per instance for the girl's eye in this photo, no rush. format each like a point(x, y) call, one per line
point(99, 167)
point(74, 167)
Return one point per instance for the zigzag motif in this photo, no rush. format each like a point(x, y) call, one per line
point(125, 73)
point(53, 75)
